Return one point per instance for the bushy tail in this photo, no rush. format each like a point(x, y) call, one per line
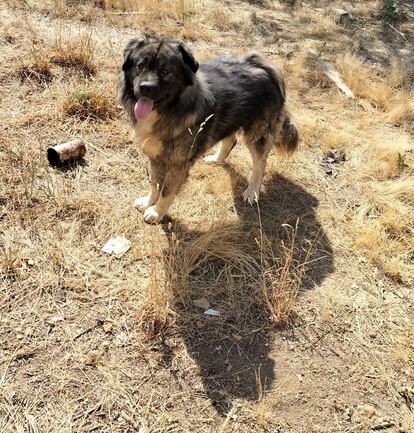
point(289, 135)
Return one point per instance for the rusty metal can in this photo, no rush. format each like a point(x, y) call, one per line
point(66, 153)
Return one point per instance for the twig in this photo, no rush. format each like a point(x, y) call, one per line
point(83, 332)
point(395, 30)
point(129, 13)
point(131, 420)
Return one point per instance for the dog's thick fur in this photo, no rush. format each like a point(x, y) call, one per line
point(197, 106)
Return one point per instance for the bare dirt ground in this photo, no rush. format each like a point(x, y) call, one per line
point(314, 285)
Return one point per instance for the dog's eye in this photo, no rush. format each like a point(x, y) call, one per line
point(164, 71)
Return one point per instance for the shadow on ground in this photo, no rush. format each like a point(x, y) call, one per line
point(232, 350)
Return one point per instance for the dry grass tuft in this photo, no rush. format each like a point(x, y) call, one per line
point(401, 110)
point(282, 277)
point(363, 81)
point(76, 53)
point(39, 71)
point(89, 102)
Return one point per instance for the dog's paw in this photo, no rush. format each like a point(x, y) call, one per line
point(251, 195)
point(151, 216)
point(142, 203)
point(212, 159)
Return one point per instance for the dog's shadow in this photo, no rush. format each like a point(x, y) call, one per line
point(232, 349)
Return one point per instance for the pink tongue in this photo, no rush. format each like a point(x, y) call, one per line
point(143, 108)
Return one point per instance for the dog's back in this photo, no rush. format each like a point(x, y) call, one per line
point(248, 90)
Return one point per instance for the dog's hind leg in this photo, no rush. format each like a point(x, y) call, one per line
point(224, 148)
point(259, 149)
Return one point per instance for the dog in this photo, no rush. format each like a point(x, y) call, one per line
point(180, 109)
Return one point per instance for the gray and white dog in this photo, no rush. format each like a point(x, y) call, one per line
point(180, 109)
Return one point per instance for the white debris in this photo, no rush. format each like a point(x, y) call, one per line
point(117, 246)
point(211, 312)
point(329, 70)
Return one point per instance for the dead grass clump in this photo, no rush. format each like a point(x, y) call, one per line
point(400, 74)
point(89, 103)
point(385, 233)
point(281, 283)
point(402, 189)
point(224, 243)
point(39, 72)
point(147, 10)
point(386, 157)
point(267, 274)
point(381, 250)
point(296, 71)
point(76, 53)
point(154, 314)
point(220, 18)
point(363, 82)
point(401, 110)
point(263, 25)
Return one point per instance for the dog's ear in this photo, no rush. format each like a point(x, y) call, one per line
point(189, 62)
point(132, 45)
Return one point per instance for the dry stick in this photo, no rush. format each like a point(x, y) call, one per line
point(129, 13)
point(396, 30)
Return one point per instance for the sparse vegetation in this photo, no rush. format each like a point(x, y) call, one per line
point(39, 72)
point(74, 52)
point(393, 11)
point(313, 286)
point(89, 103)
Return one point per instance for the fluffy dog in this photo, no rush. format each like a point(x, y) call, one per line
point(180, 109)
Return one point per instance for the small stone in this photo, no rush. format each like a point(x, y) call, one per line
point(93, 357)
point(52, 321)
point(121, 339)
point(199, 324)
point(169, 342)
point(107, 327)
point(366, 410)
point(202, 303)
point(343, 17)
point(24, 353)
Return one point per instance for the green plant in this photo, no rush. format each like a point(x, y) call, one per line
point(401, 162)
point(393, 11)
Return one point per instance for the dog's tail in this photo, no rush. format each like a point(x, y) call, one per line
point(287, 132)
point(288, 135)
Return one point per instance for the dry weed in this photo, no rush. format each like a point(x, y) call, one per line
point(89, 102)
point(76, 52)
point(40, 71)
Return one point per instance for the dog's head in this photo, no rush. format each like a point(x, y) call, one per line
point(156, 71)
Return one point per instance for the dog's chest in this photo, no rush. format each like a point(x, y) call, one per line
point(150, 144)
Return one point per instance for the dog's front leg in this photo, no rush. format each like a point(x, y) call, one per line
point(173, 179)
point(143, 203)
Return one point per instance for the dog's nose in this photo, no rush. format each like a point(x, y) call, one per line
point(146, 89)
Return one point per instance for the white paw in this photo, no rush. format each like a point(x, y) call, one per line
point(142, 203)
point(251, 195)
point(152, 216)
point(212, 159)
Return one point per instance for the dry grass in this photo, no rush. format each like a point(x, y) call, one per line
point(89, 103)
point(74, 52)
point(313, 286)
point(39, 71)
